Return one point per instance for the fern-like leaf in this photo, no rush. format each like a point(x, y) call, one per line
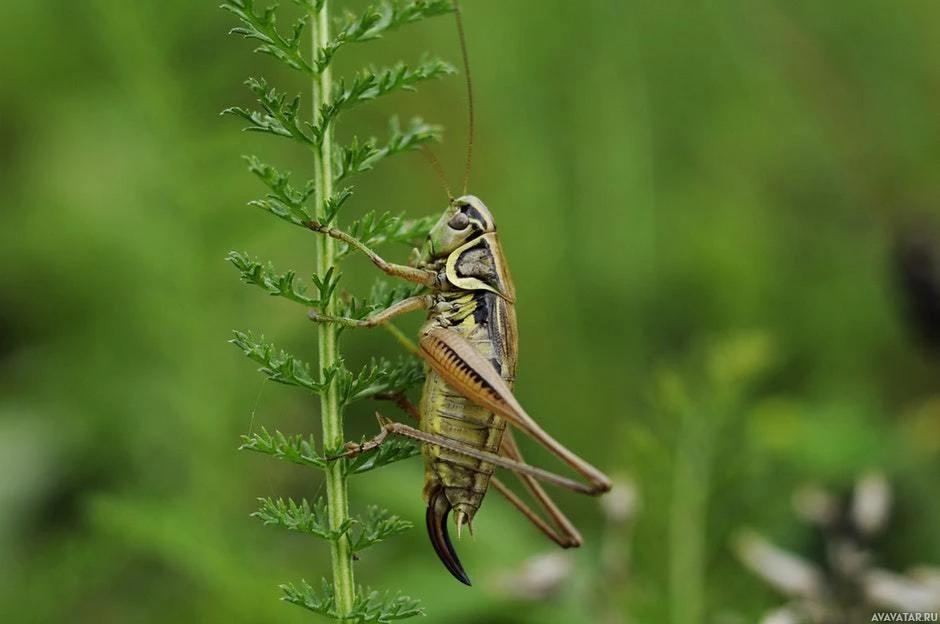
point(370, 606)
point(378, 524)
point(263, 27)
point(370, 84)
point(274, 283)
point(280, 366)
point(314, 519)
point(359, 157)
point(380, 376)
point(284, 200)
point(334, 202)
point(377, 228)
point(278, 115)
point(307, 597)
point(375, 21)
point(391, 451)
point(295, 448)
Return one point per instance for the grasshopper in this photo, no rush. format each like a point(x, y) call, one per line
point(469, 343)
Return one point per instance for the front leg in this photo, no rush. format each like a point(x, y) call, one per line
point(412, 274)
point(418, 302)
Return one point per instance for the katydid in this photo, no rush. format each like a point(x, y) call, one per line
point(469, 344)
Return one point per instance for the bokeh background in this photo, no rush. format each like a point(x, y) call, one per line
point(701, 203)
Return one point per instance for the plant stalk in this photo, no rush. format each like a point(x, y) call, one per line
point(330, 409)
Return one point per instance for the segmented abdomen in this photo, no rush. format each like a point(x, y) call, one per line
point(464, 480)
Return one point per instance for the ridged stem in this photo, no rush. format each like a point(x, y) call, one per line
point(330, 409)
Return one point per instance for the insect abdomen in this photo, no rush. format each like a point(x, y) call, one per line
point(445, 412)
point(463, 479)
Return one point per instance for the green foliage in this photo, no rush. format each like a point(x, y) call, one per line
point(263, 27)
point(371, 24)
point(279, 115)
point(370, 605)
point(306, 597)
point(278, 284)
point(295, 448)
point(280, 366)
point(375, 229)
point(284, 201)
point(301, 517)
point(367, 85)
point(377, 525)
point(391, 451)
point(380, 376)
point(357, 158)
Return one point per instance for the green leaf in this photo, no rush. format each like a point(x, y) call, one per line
point(375, 229)
point(278, 115)
point(354, 28)
point(377, 525)
point(374, 21)
point(380, 376)
point(274, 283)
point(314, 519)
point(357, 158)
point(334, 202)
point(370, 606)
point(295, 448)
point(370, 84)
point(352, 158)
point(389, 452)
point(398, 14)
point(263, 27)
point(326, 285)
point(305, 596)
point(280, 366)
point(283, 200)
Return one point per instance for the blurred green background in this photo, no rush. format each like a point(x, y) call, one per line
point(698, 201)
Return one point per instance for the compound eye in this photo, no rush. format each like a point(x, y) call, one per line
point(459, 221)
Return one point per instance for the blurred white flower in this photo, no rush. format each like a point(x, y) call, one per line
point(848, 586)
point(790, 574)
point(539, 577)
point(620, 504)
point(871, 503)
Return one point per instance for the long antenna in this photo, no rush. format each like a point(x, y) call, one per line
point(466, 68)
point(436, 165)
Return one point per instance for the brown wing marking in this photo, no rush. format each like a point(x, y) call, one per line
point(473, 376)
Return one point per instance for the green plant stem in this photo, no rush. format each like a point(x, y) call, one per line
point(330, 409)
